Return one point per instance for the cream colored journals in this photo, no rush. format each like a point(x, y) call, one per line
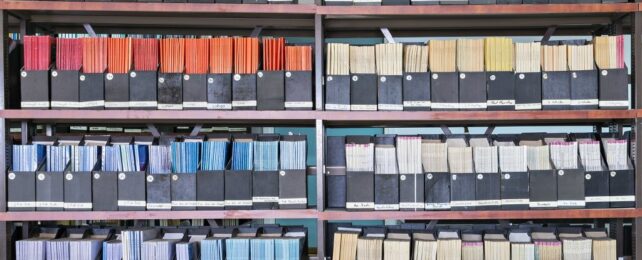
point(425, 247)
point(604, 249)
point(554, 58)
point(362, 59)
point(527, 57)
point(345, 245)
point(338, 59)
point(522, 251)
point(609, 51)
point(449, 249)
point(396, 249)
point(369, 248)
point(443, 55)
point(499, 54)
point(496, 249)
point(472, 250)
point(415, 58)
point(577, 248)
point(389, 59)
point(470, 55)
point(580, 57)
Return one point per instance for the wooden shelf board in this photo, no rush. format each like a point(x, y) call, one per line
point(331, 117)
point(482, 215)
point(131, 215)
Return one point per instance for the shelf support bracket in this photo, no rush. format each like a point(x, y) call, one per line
point(432, 224)
point(489, 130)
point(256, 32)
point(446, 130)
point(386, 33)
point(196, 130)
point(547, 35)
point(89, 29)
point(152, 129)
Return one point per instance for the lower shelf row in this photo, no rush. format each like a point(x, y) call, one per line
point(541, 189)
point(111, 191)
point(180, 243)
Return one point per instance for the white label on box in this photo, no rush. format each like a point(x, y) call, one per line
point(556, 102)
point(293, 201)
point(21, 204)
point(392, 107)
point(437, 206)
point(622, 198)
point(571, 203)
point(463, 203)
point(298, 104)
point(501, 102)
point(117, 104)
point(386, 207)
point(584, 102)
point(598, 199)
point(74, 205)
point(170, 106)
point(93, 103)
point(337, 107)
point(543, 204)
point(528, 106)
point(411, 205)
point(363, 107)
point(64, 104)
point(366, 1)
point(515, 201)
point(32, 104)
point(439, 105)
point(143, 104)
point(238, 202)
point(219, 106)
point(416, 104)
point(265, 199)
point(360, 205)
point(195, 104)
point(131, 203)
point(50, 204)
point(183, 203)
point(614, 103)
point(472, 105)
point(481, 203)
point(244, 103)
point(210, 203)
point(166, 206)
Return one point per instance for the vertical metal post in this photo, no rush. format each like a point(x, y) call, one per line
point(319, 42)
point(321, 230)
point(320, 141)
point(5, 227)
point(636, 97)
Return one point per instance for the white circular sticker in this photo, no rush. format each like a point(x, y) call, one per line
point(82, 77)
point(41, 177)
point(613, 174)
point(288, 74)
point(210, 80)
point(355, 78)
point(462, 75)
point(492, 77)
point(260, 74)
point(403, 177)
point(12, 176)
point(480, 176)
point(454, 177)
point(282, 173)
point(382, 79)
point(545, 76)
point(23, 74)
point(161, 80)
point(54, 73)
point(174, 177)
point(507, 176)
point(435, 76)
point(587, 176)
point(186, 77)
point(604, 73)
point(96, 176)
point(329, 78)
point(133, 74)
point(522, 76)
point(121, 176)
point(69, 176)
point(150, 178)
point(110, 76)
point(237, 77)
point(429, 176)
point(574, 75)
point(560, 172)
point(409, 77)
